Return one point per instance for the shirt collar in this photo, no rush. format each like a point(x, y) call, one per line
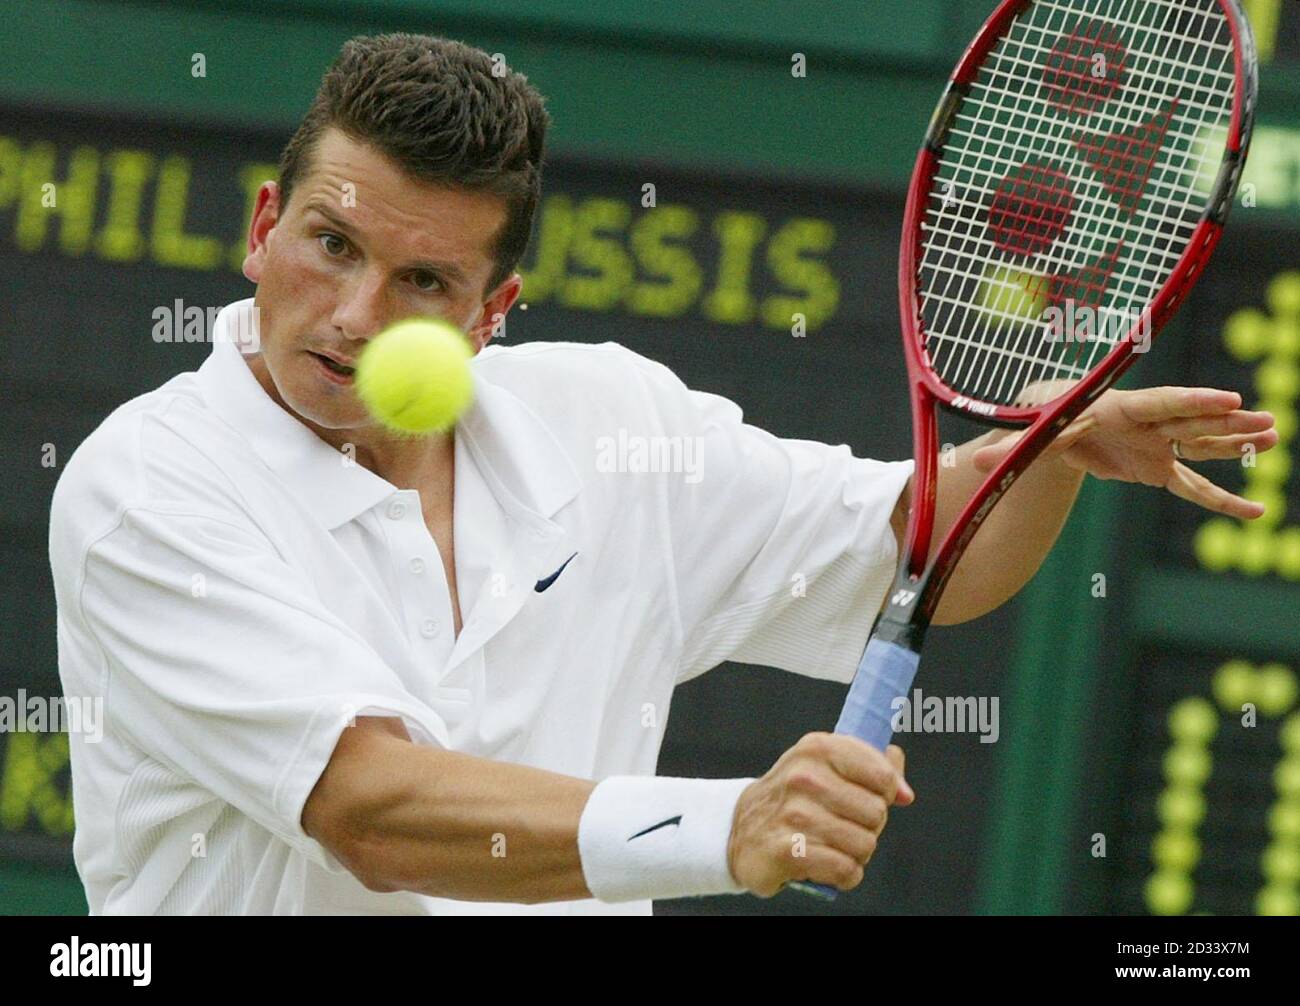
point(520, 459)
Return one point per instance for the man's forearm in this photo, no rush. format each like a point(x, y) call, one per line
point(504, 832)
point(1013, 540)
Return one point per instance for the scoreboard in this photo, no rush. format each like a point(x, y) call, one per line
point(1211, 697)
point(783, 298)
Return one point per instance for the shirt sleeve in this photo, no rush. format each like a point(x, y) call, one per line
point(221, 664)
point(782, 549)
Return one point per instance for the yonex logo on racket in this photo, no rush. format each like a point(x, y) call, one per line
point(971, 405)
point(902, 598)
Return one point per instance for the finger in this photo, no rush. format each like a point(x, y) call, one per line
point(822, 793)
point(990, 454)
point(1238, 421)
point(849, 837)
point(824, 865)
point(906, 795)
point(1158, 405)
point(1081, 426)
point(856, 842)
point(1226, 448)
point(1042, 392)
point(860, 763)
point(1196, 488)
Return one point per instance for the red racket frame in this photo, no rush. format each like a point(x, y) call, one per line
point(917, 588)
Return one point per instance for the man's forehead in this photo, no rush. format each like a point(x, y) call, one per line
point(362, 186)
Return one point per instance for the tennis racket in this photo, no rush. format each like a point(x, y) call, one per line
point(1074, 181)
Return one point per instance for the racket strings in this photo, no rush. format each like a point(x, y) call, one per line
point(1068, 361)
point(1082, 285)
point(1076, 169)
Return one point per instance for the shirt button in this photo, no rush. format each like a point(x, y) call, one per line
point(416, 565)
point(396, 511)
point(429, 628)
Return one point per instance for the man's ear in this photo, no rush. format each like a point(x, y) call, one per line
point(492, 321)
point(266, 214)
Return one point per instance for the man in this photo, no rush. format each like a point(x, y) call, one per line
point(346, 672)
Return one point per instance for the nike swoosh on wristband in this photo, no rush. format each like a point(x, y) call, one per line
point(655, 827)
point(544, 583)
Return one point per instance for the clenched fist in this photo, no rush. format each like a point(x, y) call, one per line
point(816, 815)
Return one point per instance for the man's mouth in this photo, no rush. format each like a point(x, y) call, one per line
point(334, 366)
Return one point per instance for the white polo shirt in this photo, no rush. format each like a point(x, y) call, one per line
point(236, 590)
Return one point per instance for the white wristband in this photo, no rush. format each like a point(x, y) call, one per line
point(654, 837)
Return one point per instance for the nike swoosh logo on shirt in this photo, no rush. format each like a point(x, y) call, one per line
point(543, 584)
point(655, 827)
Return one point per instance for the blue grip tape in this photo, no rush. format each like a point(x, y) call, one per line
point(885, 674)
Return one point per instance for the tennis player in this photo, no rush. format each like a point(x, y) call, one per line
point(347, 673)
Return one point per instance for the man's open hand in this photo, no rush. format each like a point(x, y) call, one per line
point(1129, 435)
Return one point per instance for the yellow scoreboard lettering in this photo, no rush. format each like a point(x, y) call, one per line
point(1194, 723)
point(596, 247)
point(550, 249)
point(44, 197)
point(29, 791)
point(122, 239)
point(656, 243)
point(76, 201)
point(1265, 16)
point(787, 258)
point(171, 245)
point(594, 253)
point(11, 163)
point(114, 185)
point(31, 222)
point(1272, 341)
point(599, 254)
point(1271, 180)
point(731, 301)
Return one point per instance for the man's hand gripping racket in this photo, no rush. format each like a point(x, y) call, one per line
point(1073, 183)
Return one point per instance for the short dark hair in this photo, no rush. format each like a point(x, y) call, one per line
point(446, 112)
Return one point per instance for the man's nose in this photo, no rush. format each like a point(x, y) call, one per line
point(363, 309)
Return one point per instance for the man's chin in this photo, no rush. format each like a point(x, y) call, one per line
point(328, 420)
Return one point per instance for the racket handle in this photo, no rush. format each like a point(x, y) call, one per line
point(884, 674)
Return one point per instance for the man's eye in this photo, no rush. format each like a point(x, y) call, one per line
point(426, 282)
point(338, 248)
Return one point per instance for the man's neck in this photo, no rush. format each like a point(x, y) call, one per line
point(407, 462)
point(426, 462)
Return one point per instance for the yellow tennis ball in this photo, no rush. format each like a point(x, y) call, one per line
point(414, 376)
